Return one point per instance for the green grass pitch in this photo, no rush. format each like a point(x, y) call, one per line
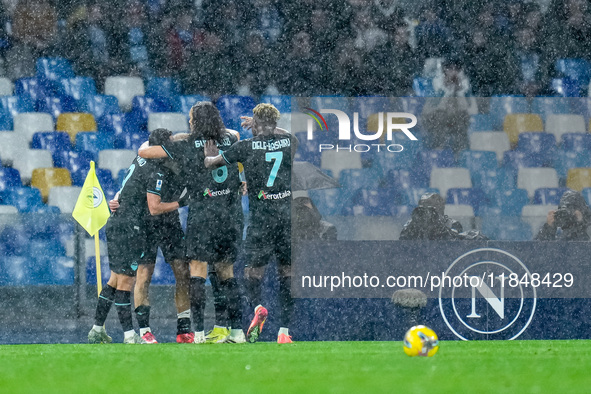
point(305, 367)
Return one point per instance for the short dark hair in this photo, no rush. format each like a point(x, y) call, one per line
point(206, 122)
point(159, 136)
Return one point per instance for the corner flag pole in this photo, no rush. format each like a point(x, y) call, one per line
point(97, 253)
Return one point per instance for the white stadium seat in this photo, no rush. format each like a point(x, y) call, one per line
point(31, 159)
point(125, 89)
point(447, 178)
point(172, 121)
point(6, 87)
point(29, 123)
point(8, 209)
point(459, 211)
point(561, 124)
point(531, 179)
point(338, 161)
point(64, 197)
point(535, 215)
point(12, 145)
point(495, 141)
point(116, 159)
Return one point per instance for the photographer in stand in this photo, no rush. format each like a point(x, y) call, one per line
point(428, 221)
point(569, 222)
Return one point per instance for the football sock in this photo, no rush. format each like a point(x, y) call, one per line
point(105, 301)
point(253, 287)
point(285, 300)
point(234, 306)
point(142, 314)
point(283, 330)
point(219, 301)
point(129, 334)
point(197, 301)
point(183, 322)
point(123, 305)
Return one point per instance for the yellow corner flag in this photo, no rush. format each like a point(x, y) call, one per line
point(91, 209)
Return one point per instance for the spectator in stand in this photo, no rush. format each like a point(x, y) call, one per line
point(569, 222)
point(434, 37)
point(255, 59)
point(569, 30)
point(226, 18)
point(367, 35)
point(34, 30)
point(350, 74)
point(264, 16)
point(394, 64)
point(530, 64)
point(181, 37)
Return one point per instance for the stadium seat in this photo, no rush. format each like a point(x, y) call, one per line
point(515, 124)
point(371, 202)
point(511, 201)
point(165, 88)
point(9, 177)
point(328, 201)
point(427, 160)
point(481, 122)
point(548, 106)
point(414, 194)
point(183, 104)
point(77, 163)
point(125, 89)
point(27, 124)
point(105, 178)
point(91, 269)
point(514, 231)
point(338, 161)
point(423, 87)
point(536, 215)
point(561, 124)
point(307, 150)
point(168, 120)
point(467, 196)
point(75, 122)
point(565, 87)
point(51, 140)
point(6, 122)
point(396, 161)
point(330, 102)
point(367, 105)
point(7, 210)
point(542, 146)
point(17, 271)
point(446, 178)
point(31, 159)
point(586, 192)
point(575, 69)
point(131, 141)
point(14, 105)
point(576, 142)
point(57, 105)
point(77, 88)
point(478, 160)
point(412, 105)
point(25, 199)
point(64, 197)
point(459, 211)
point(5, 87)
point(531, 179)
point(99, 105)
point(564, 161)
point(93, 141)
point(163, 274)
point(51, 70)
point(365, 178)
point(30, 89)
point(46, 178)
point(116, 159)
point(143, 106)
point(12, 145)
point(500, 106)
point(399, 179)
point(494, 141)
point(514, 160)
point(114, 124)
point(233, 107)
point(61, 270)
point(548, 195)
point(578, 178)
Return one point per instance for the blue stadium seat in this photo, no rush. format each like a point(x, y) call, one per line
point(77, 88)
point(12, 105)
point(586, 192)
point(105, 178)
point(328, 201)
point(15, 239)
point(93, 141)
point(545, 106)
point(163, 274)
point(576, 142)
point(6, 122)
point(61, 270)
point(511, 201)
point(400, 179)
point(368, 105)
point(307, 150)
point(564, 161)
point(467, 196)
point(359, 179)
point(335, 101)
point(542, 146)
point(514, 160)
point(500, 106)
point(423, 87)
point(577, 70)
point(43, 223)
point(282, 103)
point(76, 162)
point(57, 105)
point(114, 124)
point(401, 160)
point(46, 247)
point(477, 160)
point(411, 105)
point(183, 104)
point(549, 195)
point(163, 88)
point(16, 271)
point(9, 178)
point(565, 87)
point(414, 194)
point(491, 181)
point(131, 141)
point(142, 106)
point(100, 105)
point(371, 202)
point(25, 199)
point(91, 270)
point(481, 122)
point(30, 89)
point(51, 70)
point(53, 141)
point(427, 160)
point(233, 107)
point(506, 228)
point(47, 209)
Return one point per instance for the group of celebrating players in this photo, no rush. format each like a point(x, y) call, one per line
point(201, 169)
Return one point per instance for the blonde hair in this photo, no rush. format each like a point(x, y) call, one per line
point(267, 113)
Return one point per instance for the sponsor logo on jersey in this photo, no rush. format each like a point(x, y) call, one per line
point(215, 193)
point(275, 196)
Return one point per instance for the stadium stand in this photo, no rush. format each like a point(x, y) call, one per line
point(124, 89)
point(46, 178)
point(73, 123)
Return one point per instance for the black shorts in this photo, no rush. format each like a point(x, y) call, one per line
point(265, 242)
point(212, 242)
point(126, 243)
point(167, 235)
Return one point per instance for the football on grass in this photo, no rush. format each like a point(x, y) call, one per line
point(420, 341)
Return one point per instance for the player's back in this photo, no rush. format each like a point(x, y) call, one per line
point(133, 205)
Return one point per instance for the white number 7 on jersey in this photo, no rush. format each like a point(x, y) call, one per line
point(278, 157)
